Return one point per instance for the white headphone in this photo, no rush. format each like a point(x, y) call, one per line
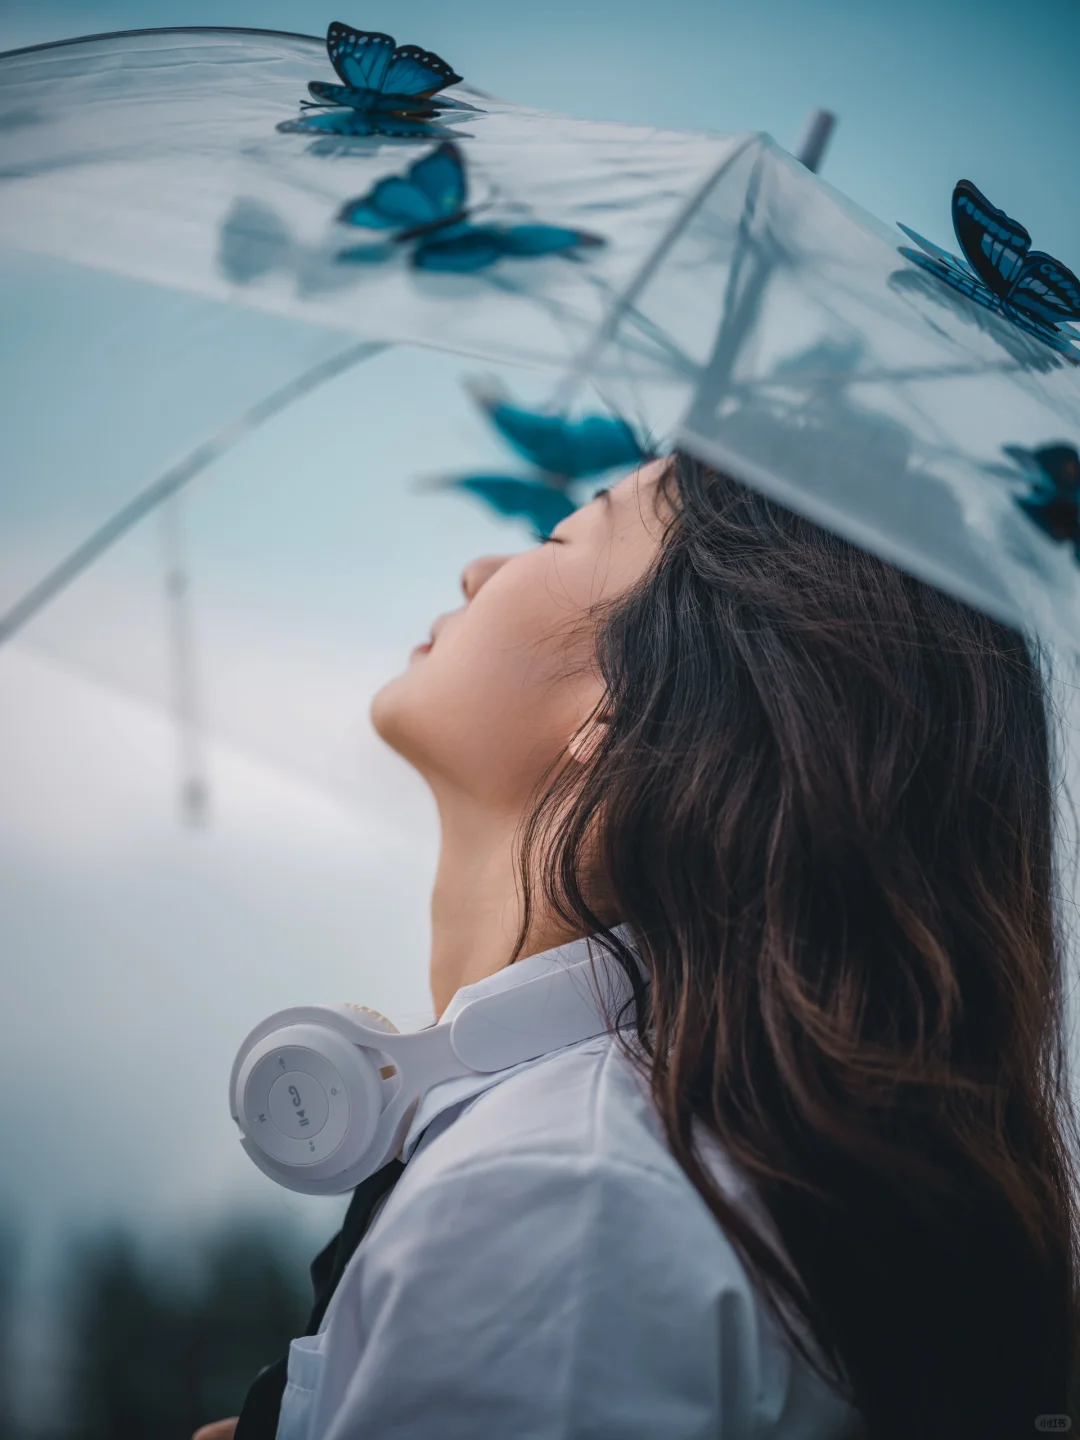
point(323, 1094)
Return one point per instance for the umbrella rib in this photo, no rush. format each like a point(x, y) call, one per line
point(751, 266)
point(583, 365)
point(174, 480)
point(157, 30)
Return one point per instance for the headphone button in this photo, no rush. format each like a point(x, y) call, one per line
point(298, 1105)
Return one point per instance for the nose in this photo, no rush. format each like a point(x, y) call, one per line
point(478, 572)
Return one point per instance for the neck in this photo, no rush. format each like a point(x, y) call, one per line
point(476, 904)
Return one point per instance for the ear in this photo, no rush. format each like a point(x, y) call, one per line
point(587, 737)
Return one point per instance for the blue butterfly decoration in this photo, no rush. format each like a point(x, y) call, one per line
point(386, 89)
point(1003, 273)
point(565, 449)
point(534, 501)
point(427, 208)
point(562, 450)
point(1053, 501)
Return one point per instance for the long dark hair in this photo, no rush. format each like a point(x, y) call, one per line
point(821, 795)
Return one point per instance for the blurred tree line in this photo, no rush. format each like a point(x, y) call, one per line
point(158, 1342)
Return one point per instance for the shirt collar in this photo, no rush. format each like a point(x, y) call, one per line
point(451, 1093)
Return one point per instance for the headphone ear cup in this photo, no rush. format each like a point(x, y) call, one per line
point(307, 1101)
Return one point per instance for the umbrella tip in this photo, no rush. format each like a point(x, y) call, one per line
point(814, 140)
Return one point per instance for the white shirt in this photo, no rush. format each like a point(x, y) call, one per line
point(543, 1270)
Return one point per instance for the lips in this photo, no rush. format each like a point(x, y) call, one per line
point(425, 645)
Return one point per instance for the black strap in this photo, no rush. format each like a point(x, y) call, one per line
point(262, 1406)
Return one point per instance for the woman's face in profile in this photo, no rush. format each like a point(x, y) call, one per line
point(504, 682)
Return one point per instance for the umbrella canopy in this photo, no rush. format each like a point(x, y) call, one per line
point(171, 259)
point(857, 388)
point(189, 251)
point(158, 156)
point(854, 386)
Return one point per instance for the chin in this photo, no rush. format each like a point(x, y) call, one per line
point(385, 711)
point(393, 716)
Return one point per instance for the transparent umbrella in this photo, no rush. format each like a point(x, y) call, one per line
point(174, 261)
point(189, 246)
point(865, 390)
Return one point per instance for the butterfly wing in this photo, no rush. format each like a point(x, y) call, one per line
point(360, 122)
point(1052, 470)
point(1047, 290)
point(1053, 473)
point(572, 449)
point(543, 440)
point(474, 247)
point(392, 204)
point(440, 175)
point(543, 239)
point(995, 245)
point(542, 505)
point(370, 60)
point(934, 251)
point(430, 193)
point(461, 251)
point(1025, 460)
point(1056, 518)
point(329, 122)
point(436, 102)
point(419, 105)
point(350, 95)
point(1059, 340)
point(414, 127)
point(959, 277)
point(1061, 466)
point(360, 57)
point(601, 442)
point(370, 100)
point(413, 71)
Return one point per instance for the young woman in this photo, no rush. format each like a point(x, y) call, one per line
point(822, 1185)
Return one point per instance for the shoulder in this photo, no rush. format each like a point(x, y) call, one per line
point(587, 1107)
point(568, 1157)
point(558, 1274)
